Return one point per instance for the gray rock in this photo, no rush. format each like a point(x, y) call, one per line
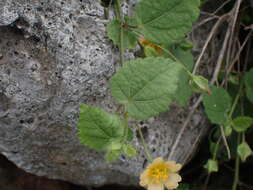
point(8, 13)
point(55, 56)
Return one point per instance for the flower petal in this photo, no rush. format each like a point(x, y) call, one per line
point(157, 160)
point(144, 179)
point(172, 182)
point(173, 166)
point(155, 186)
point(172, 186)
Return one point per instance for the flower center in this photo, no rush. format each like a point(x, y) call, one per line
point(158, 173)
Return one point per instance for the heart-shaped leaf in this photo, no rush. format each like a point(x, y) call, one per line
point(211, 166)
point(217, 105)
point(242, 123)
point(166, 21)
point(184, 90)
point(146, 86)
point(244, 151)
point(99, 130)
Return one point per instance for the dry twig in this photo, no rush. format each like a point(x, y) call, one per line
point(227, 41)
point(211, 34)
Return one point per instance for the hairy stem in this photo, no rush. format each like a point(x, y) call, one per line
point(126, 126)
point(120, 16)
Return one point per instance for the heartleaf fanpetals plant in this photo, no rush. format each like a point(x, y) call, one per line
point(163, 72)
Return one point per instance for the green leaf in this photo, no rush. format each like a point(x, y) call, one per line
point(98, 129)
point(165, 22)
point(113, 32)
point(113, 155)
point(186, 45)
point(146, 86)
point(115, 145)
point(217, 105)
point(248, 81)
point(244, 151)
point(227, 130)
point(150, 52)
point(211, 166)
point(129, 151)
point(199, 84)
point(184, 90)
point(241, 124)
point(227, 127)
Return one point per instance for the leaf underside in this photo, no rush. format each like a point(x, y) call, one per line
point(146, 86)
point(98, 129)
point(166, 21)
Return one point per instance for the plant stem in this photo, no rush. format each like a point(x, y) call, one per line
point(206, 181)
point(237, 166)
point(120, 16)
point(243, 137)
point(225, 141)
point(147, 152)
point(235, 101)
point(216, 149)
point(185, 124)
point(126, 126)
point(234, 104)
point(211, 34)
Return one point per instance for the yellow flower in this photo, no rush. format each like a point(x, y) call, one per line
point(161, 173)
